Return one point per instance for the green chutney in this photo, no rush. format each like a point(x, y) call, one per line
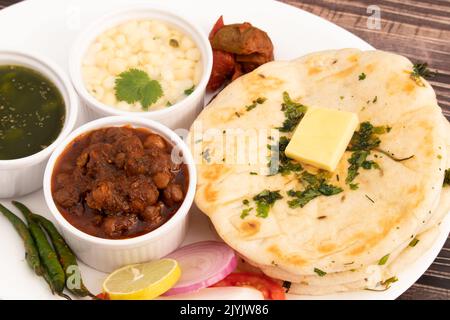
point(32, 112)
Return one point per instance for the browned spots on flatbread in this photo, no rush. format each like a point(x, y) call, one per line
point(409, 87)
point(424, 124)
point(427, 144)
point(370, 67)
point(353, 58)
point(210, 193)
point(398, 83)
point(290, 259)
point(388, 224)
point(214, 171)
point(225, 115)
point(257, 86)
point(413, 189)
point(429, 152)
point(314, 70)
point(392, 84)
point(358, 249)
point(250, 227)
point(346, 72)
point(326, 247)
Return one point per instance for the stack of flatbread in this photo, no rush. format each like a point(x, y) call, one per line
point(359, 238)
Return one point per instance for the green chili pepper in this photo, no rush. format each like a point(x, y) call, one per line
point(54, 273)
point(66, 256)
point(31, 251)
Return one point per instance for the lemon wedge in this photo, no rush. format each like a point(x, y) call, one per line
point(142, 281)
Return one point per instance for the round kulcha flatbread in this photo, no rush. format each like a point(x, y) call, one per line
point(370, 277)
point(330, 234)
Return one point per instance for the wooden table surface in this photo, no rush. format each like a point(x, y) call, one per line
point(419, 30)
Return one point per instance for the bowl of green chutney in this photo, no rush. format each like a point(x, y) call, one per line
point(38, 109)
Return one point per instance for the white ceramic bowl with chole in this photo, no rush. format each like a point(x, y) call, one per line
point(109, 254)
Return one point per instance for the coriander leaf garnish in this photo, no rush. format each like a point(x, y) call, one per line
point(329, 190)
point(356, 160)
point(319, 272)
point(414, 242)
point(362, 76)
point(151, 92)
point(354, 186)
point(315, 186)
point(420, 70)
point(255, 103)
point(302, 197)
point(293, 112)
point(260, 100)
point(383, 260)
point(370, 165)
point(279, 162)
point(189, 91)
point(264, 201)
point(364, 140)
point(262, 210)
point(387, 283)
point(245, 212)
point(250, 107)
point(447, 178)
point(290, 166)
point(135, 85)
point(129, 84)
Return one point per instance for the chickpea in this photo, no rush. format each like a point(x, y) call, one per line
point(154, 140)
point(161, 179)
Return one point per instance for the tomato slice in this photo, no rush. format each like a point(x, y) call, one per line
point(102, 296)
point(270, 289)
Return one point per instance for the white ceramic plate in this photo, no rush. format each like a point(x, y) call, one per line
point(48, 27)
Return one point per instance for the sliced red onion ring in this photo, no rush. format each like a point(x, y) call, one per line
point(202, 265)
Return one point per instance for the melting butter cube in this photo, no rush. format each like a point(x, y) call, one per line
point(321, 137)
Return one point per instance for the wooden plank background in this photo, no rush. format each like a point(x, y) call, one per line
point(419, 30)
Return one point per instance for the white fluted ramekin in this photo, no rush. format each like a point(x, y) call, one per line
point(178, 116)
point(107, 254)
point(24, 175)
